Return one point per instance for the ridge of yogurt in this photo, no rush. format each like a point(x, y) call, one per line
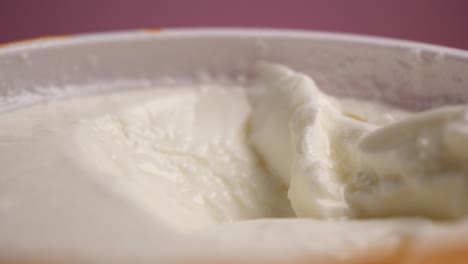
point(354, 159)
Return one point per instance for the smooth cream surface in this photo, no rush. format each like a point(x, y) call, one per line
point(185, 157)
point(190, 160)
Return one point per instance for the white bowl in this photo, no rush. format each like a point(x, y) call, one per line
point(406, 73)
point(400, 72)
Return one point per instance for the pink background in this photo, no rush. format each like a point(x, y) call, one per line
point(442, 22)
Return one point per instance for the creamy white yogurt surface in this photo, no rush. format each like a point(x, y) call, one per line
point(159, 164)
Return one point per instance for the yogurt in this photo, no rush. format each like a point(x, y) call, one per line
point(347, 159)
point(104, 173)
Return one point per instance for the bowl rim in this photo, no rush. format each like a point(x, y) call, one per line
point(174, 33)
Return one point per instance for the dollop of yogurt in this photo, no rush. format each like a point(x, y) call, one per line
point(342, 158)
